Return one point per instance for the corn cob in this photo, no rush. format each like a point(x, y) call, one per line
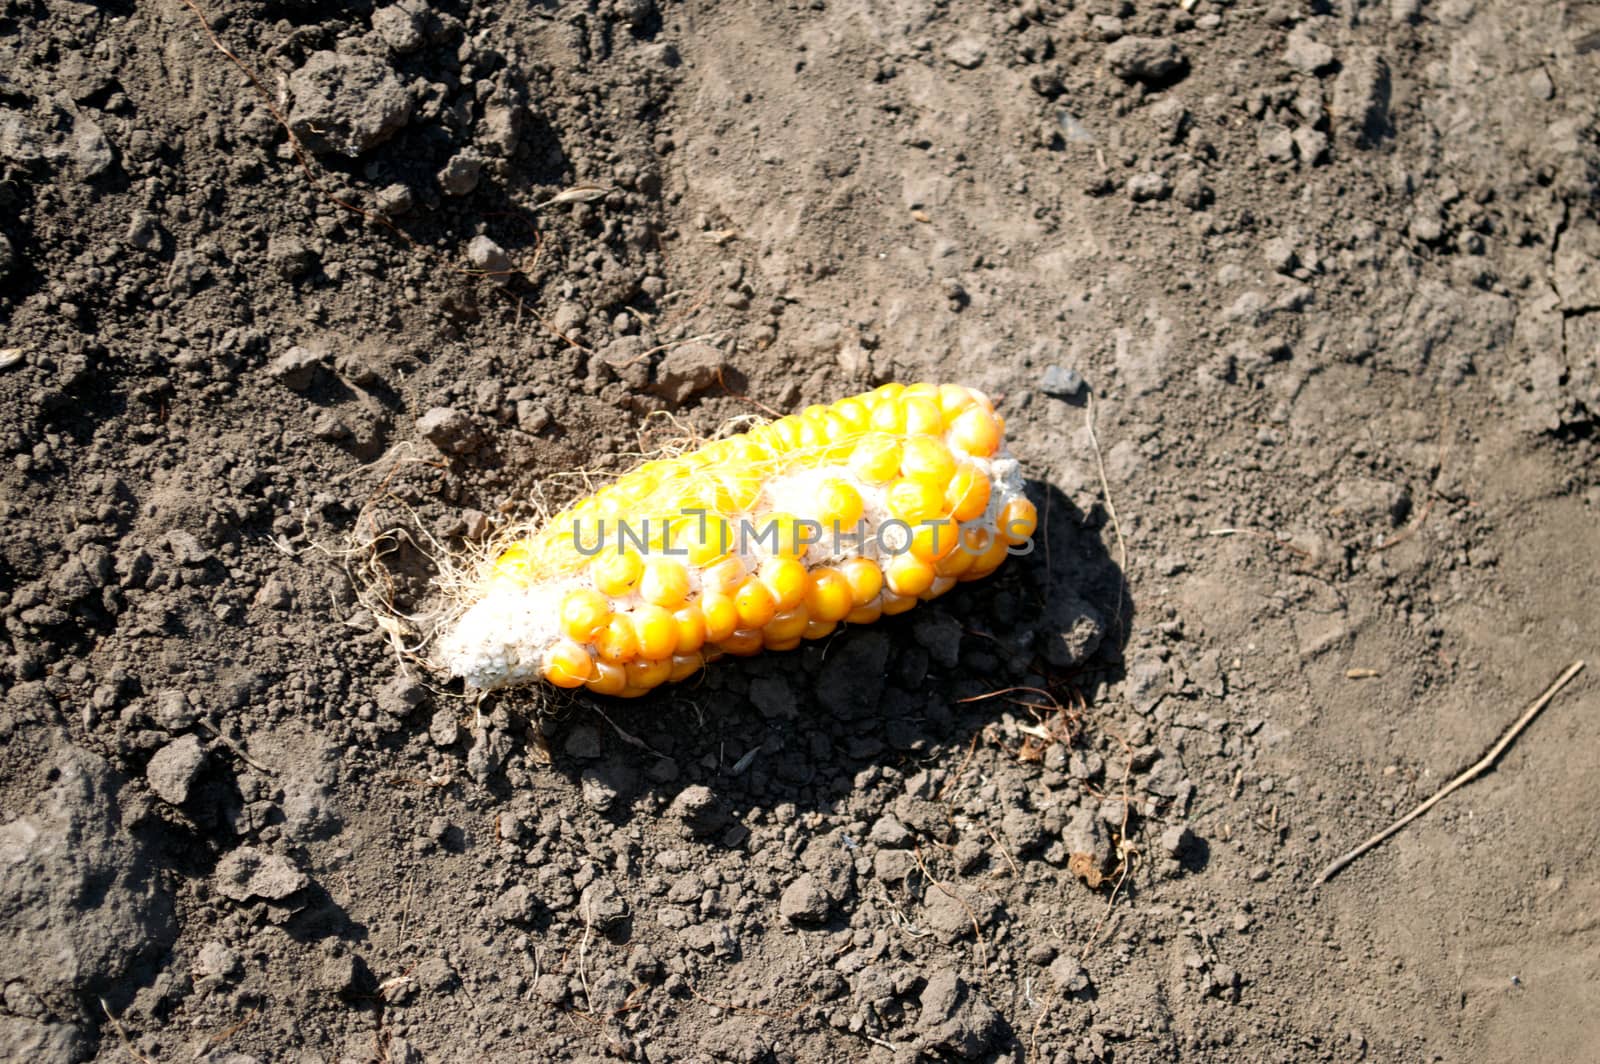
point(838, 514)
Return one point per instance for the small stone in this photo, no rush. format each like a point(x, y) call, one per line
point(516, 905)
point(172, 771)
point(145, 233)
point(1305, 53)
point(1280, 255)
point(450, 430)
point(687, 370)
point(1192, 191)
point(218, 960)
point(1060, 382)
point(701, 812)
point(1312, 145)
point(491, 258)
point(297, 367)
point(1148, 186)
point(248, 873)
point(341, 974)
point(346, 103)
point(957, 1019)
point(1068, 975)
point(805, 901)
point(444, 729)
point(965, 52)
point(888, 831)
point(1176, 841)
point(599, 789)
point(396, 199)
point(602, 905)
point(174, 712)
point(1275, 142)
point(398, 27)
point(290, 257)
point(532, 417)
point(1150, 60)
point(460, 175)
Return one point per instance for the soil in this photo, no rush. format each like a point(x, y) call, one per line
point(1294, 314)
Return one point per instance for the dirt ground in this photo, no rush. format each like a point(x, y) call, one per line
point(1330, 521)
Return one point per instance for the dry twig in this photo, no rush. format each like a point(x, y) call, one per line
point(1483, 765)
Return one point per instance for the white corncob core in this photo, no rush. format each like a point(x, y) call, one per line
point(842, 513)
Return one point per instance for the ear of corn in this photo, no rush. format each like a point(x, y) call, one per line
point(840, 514)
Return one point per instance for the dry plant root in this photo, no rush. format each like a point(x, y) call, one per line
point(838, 514)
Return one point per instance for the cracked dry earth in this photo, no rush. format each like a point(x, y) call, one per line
point(1329, 271)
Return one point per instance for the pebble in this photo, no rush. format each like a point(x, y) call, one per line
point(1305, 53)
point(687, 370)
point(486, 255)
point(297, 367)
point(173, 769)
point(450, 430)
point(966, 52)
point(346, 103)
point(460, 175)
point(397, 24)
point(956, 1018)
point(1176, 840)
point(1148, 186)
point(700, 811)
point(248, 873)
point(1145, 59)
point(1060, 382)
point(805, 901)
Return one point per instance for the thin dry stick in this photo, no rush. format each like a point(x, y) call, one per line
point(1111, 509)
point(1466, 777)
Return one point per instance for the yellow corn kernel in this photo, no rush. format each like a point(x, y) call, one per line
point(953, 399)
point(1018, 521)
point(968, 493)
point(865, 579)
point(665, 582)
point(940, 585)
point(854, 413)
point(780, 534)
point(867, 613)
point(616, 572)
point(790, 624)
point(976, 431)
point(839, 505)
point(784, 434)
point(780, 645)
point(816, 629)
point(703, 538)
point(925, 389)
point(691, 625)
point(987, 560)
point(656, 631)
point(959, 560)
point(828, 596)
point(894, 604)
point(914, 501)
point(685, 666)
point(876, 458)
point(609, 678)
point(892, 390)
point(925, 458)
point(515, 563)
point(567, 664)
point(786, 579)
point(890, 416)
point(923, 417)
point(934, 540)
point(584, 612)
point(743, 643)
point(617, 642)
point(756, 605)
point(721, 615)
point(907, 574)
point(645, 673)
point(726, 576)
